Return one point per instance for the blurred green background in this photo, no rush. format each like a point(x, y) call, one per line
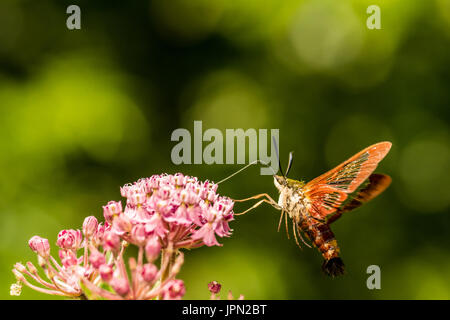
point(83, 112)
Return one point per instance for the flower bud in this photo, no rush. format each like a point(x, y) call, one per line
point(152, 248)
point(149, 272)
point(106, 272)
point(90, 226)
point(20, 267)
point(40, 245)
point(214, 287)
point(69, 239)
point(18, 275)
point(31, 267)
point(120, 286)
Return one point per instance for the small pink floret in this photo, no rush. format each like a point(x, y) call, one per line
point(40, 245)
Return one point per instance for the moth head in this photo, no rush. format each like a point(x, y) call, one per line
point(279, 181)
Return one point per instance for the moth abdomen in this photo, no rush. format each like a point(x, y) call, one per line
point(323, 239)
point(333, 267)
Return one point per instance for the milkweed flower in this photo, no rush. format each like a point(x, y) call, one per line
point(69, 239)
point(40, 246)
point(214, 287)
point(161, 216)
point(90, 226)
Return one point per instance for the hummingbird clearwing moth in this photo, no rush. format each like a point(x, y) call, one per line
point(313, 206)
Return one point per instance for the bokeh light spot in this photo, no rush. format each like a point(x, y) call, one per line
point(326, 34)
point(227, 100)
point(424, 169)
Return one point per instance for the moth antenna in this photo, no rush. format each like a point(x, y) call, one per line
point(242, 169)
point(291, 159)
point(278, 156)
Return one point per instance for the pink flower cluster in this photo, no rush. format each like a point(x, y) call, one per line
point(175, 208)
point(163, 214)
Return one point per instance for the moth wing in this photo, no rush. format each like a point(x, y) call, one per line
point(326, 193)
point(377, 183)
point(323, 201)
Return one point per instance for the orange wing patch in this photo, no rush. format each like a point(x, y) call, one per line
point(324, 200)
point(377, 184)
point(327, 192)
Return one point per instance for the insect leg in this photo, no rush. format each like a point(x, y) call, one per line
point(270, 200)
point(281, 219)
point(301, 237)
point(253, 207)
point(295, 235)
point(286, 221)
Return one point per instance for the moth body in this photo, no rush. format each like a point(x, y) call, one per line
point(293, 201)
point(315, 205)
point(291, 198)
